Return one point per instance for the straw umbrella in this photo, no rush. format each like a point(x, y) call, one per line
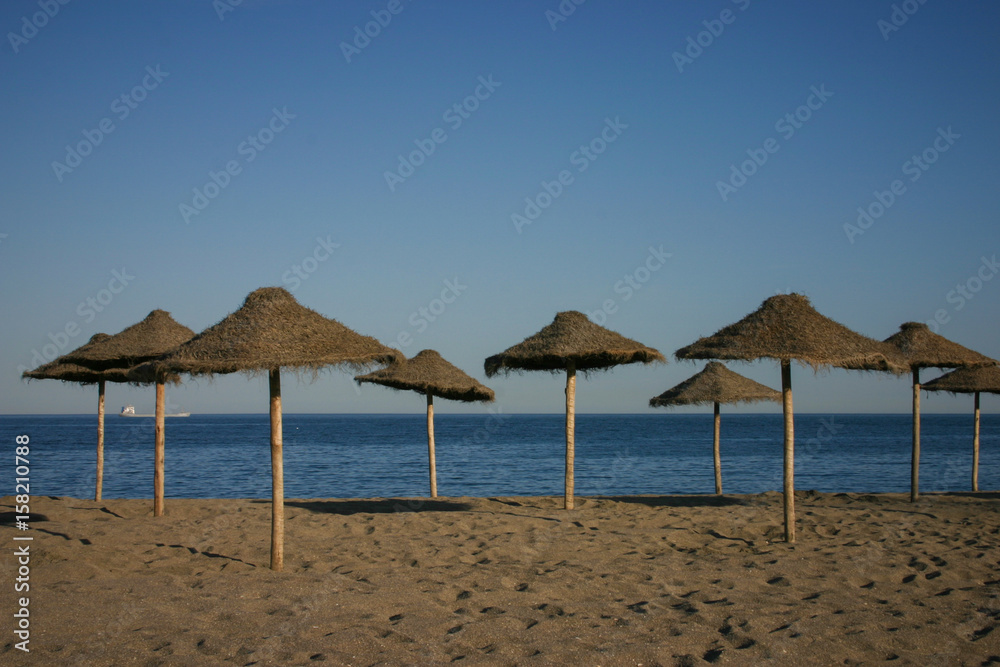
point(571, 343)
point(923, 348)
point(155, 335)
point(715, 384)
point(59, 369)
point(787, 327)
point(269, 332)
point(970, 381)
point(429, 374)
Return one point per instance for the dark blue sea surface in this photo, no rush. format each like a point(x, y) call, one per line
point(364, 456)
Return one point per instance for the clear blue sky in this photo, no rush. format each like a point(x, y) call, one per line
point(309, 118)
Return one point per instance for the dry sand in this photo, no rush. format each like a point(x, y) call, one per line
point(662, 580)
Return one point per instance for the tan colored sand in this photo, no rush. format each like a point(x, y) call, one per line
point(673, 580)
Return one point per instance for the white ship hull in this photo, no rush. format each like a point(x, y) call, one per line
point(129, 411)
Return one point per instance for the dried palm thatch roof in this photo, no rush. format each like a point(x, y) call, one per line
point(428, 372)
point(60, 369)
point(715, 384)
point(923, 348)
point(155, 335)
point(271, 331)
point(984, 379)
point(571, 339)
point(786, 327)
point(56, 370)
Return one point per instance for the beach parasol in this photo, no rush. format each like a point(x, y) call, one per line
point(970, 381)
point(922, 348)
point(155, 335)
point(271, 331)
point(60, 369)
point(428, 373)
point(571, 343)
point(786, 327)
point(715, 384)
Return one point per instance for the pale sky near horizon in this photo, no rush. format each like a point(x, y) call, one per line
point(463, 171)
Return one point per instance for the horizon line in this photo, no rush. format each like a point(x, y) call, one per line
point(467, 414)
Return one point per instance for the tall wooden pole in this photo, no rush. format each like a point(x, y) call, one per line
point(715, 450)
point(975, 447)
point(789, 471)
point(430, 444)
point(277, 475)
point(100, 439)
point(570, 432)
point(915, 457)
point(158, 476)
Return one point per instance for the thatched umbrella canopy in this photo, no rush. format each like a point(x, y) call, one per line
point(428, 373)
point(786, 327)
point(571, 343)
point(922, 348)
point(60, 369)
point(154, 336)
point(970, 381)
point(271, 331)
point(69, 372)
point(715, 384)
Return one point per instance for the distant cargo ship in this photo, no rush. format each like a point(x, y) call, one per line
point(129, 411)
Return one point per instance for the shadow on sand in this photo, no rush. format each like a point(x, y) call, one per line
point(982, 495)
point(677, 501)
point(206, 554)
point(10, 518)
point(380, 506)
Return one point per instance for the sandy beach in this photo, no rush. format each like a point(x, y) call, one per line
point(644, 580)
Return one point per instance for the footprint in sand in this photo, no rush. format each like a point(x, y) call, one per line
point(165, 647)
point(712, 655)
point(550, 610)
point(639, 607)
point(686, 607)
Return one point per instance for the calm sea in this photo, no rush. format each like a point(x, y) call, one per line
point(349, 456)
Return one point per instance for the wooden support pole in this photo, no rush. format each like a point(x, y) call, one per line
point(789, 468)
point(570, 433)
point(915, 456)
point(100, 440)
point(975, 446)
point(277, 475)
point(430, 444)
point(715, 450)
point(158, 447)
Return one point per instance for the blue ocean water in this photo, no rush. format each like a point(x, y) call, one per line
point(350, 456)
